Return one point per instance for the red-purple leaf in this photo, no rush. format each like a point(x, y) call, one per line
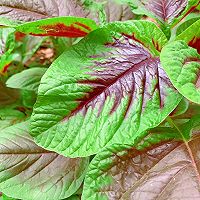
point(166, 10)
point(167, 170)
point(29, 172)
point(35, 10)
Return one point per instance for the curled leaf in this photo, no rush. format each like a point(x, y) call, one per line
point(182, 65)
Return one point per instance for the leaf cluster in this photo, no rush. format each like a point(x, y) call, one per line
point(99, 100)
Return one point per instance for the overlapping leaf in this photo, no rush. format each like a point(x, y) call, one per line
point(7, 95)
point(192, 35)
point(40, 9)
point(61, 26)
point(187, 24)
point(182, 64)
point(167, 11)
point(28, 79)
point(166, 170)
point(115, 11)
point(181, 108)
point(28, 10)
point(108, 88)
point(34, 173)
point(6, 47)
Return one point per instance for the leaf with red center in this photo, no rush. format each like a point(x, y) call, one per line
point(161, 170)
point(61, 27)
point(182, 65)
point(61, 30)
point(167, 11)
point(192, 35)
point(108, 88)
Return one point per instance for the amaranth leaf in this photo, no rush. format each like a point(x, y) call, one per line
point(182, 65)
point(108, 88)
point(34, 173)
point(166, 170)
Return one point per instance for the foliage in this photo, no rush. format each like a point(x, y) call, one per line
point(99, 100)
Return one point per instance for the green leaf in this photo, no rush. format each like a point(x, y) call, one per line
point(28, 98)
point(161, 170)
point(4, 197)
point(186, 24)
point(58, 26)
point(108, 88)
point(191, 35)
point(182, 65)
point(167, 131)
point(75, 197)
point(29, 172)
point(28, 79)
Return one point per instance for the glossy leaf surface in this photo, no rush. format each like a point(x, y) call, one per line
point(34, 173)
point(163, 171)
point(108, 88)
point(182, 65)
